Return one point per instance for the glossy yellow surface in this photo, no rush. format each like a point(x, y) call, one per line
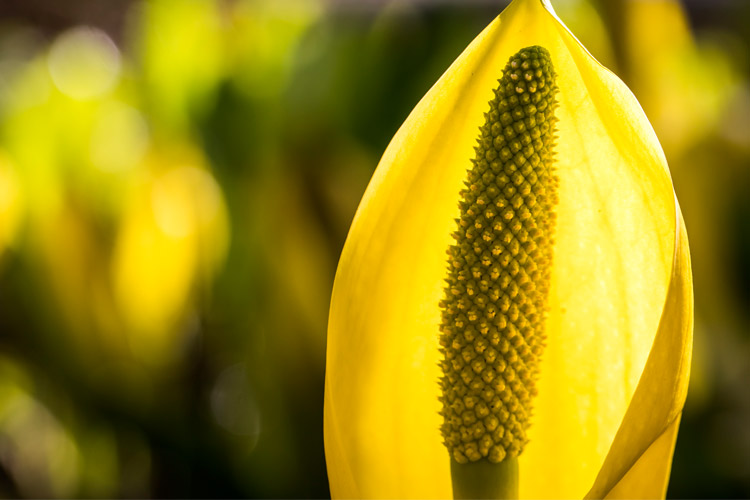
point(620, 323)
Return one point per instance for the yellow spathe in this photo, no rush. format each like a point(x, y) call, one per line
point(620, 297)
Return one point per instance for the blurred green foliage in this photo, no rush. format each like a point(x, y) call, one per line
point(175, 191)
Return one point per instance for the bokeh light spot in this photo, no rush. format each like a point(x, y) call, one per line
point(119, 139)
point(233, 404)
point(185, 200)
point(36, 449)
point(84, 63)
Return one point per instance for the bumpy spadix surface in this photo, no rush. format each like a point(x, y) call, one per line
point(613, 375)
point(499, 268)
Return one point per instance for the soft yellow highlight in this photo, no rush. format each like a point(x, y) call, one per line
point(11, 203)
point(668, 67)
point(174, 234)
point(618, 278)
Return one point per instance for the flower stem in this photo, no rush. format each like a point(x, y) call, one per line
point(483, 479)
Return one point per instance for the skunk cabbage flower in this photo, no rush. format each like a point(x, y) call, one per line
point(514, 299)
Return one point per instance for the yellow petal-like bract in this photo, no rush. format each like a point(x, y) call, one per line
point(613, 376)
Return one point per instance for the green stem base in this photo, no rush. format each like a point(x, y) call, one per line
point(486, 480)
